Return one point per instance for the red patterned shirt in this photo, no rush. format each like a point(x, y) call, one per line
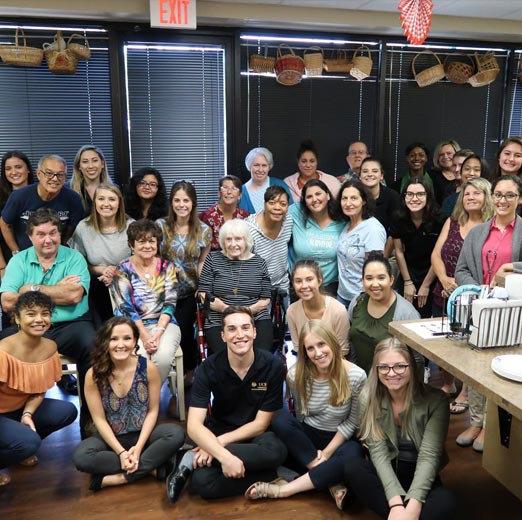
point(214, 218)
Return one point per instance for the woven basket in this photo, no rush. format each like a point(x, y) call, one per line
point(83, 52)
point(313, 58)
point(289, 68)
point(362, 65)
point(262, 64)
point(487, 70)
point(21, 55)
point(339, 64)
point(458, 71)
point(60, 60)
point(430, 75)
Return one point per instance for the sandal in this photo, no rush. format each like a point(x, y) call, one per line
point(266, 489)
point(458, 407)
point(5, 478)
point(29, 461)
point(339, 492)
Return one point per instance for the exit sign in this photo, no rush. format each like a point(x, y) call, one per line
point(173, 14)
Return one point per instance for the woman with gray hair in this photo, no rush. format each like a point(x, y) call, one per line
point(235, 276)
point(259, 162)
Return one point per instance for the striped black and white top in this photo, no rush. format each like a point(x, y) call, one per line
point(235, 282)
point(321, 414)
point(274, 251)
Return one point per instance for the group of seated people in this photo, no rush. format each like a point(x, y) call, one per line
point(122, 298)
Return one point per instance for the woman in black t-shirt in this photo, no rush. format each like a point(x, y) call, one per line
point(414, 233)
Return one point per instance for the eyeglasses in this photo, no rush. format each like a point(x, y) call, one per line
point(225, 189)
point(412, 195)
point(510, 197)
point(151, 185)
point(49, 174)
point(399, 369)
point(357, 152)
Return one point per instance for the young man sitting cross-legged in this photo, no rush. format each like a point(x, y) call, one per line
point(234, 448)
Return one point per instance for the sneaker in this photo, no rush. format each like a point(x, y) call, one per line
point(427, 375)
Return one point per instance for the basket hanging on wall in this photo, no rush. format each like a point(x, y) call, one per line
point(458, 71)
point(289, 67)
point(313, 58)
point(487, 70)
point(416, 19)
point(430, 75)
point(21, 55)
point(262, 64)
point(60, 60)
point(339, 63)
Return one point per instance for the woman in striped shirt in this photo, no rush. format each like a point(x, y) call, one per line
point(236, 276)
point(320, 439)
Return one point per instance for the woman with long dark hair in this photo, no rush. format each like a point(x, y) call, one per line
point(316, 231)
point(186, 243)
point(122, 390)
point(146, 195)
point(414, 233)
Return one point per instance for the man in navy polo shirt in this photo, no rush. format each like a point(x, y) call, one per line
point(234, 448)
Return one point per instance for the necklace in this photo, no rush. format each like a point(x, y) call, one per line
point(234, 290)
point(143, 271)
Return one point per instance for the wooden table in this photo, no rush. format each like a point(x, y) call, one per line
point(474, 367)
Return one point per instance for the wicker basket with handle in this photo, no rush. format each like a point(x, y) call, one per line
point(340, 63)
point(289, 67)
point(487, 70)
point(21, 55)
point(313, 58)
point(60, 60)
point(458, 71)
point(83, 52)
point(260, 63)
point(430, 75)
point(362, 65)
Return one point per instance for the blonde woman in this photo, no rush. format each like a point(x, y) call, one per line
point(404, 425)
point(320, 439)
point(89, 171)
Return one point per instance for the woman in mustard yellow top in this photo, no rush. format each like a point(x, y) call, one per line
point(29, 366)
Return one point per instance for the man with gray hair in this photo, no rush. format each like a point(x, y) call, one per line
point(49, 192)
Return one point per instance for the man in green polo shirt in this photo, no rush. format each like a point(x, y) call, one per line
point(62, 274)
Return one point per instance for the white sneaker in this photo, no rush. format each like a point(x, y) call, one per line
point(427, 375)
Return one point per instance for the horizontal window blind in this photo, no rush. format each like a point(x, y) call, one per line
point(444, 110)
point(332, 109)
point(176, 110)
point(47, 113)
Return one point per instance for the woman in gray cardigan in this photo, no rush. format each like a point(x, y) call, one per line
point(494, 247)
point(371, 312)
point(404, 424)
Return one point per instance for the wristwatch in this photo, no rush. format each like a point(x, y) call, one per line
point(35, 287)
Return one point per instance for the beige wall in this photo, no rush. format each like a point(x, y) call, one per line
point(268, 16)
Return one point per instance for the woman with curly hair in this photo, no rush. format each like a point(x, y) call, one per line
point(404, 424)
point(186, 243)
point(415, 231)
point(321, 437)
point(122, 390)
point(146, 195)
point(29, 366)
point(89, 171)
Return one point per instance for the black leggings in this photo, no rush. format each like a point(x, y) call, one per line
point(362, 480)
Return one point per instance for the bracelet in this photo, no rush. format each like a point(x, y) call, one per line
point(160, 328)
point(408, 282)
point(27, 413)
point(396, 505)
point(122, 451)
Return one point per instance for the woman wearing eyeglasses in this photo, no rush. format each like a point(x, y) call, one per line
point(491, 248)
point(404, 424)
point(227, 208)
point(146, 195)
point(415, 232)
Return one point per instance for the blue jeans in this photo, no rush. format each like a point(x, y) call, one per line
point(303, 441)
point(18, 441)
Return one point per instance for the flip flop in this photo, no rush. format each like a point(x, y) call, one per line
point(29, 461)
point(463, 407)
